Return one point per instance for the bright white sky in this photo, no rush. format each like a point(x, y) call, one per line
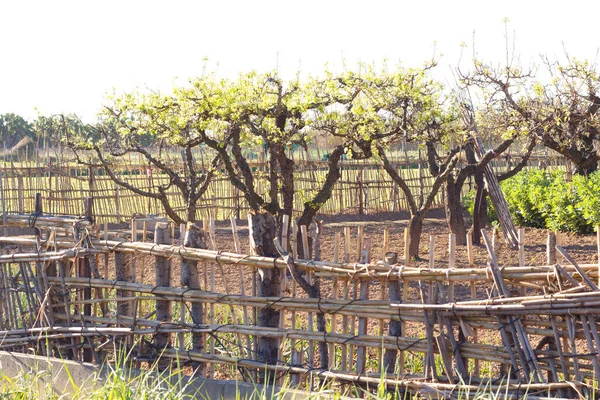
point(65, 56)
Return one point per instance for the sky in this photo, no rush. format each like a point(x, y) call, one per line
point(67, 56)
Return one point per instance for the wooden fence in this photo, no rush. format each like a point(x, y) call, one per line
point(80, 291)
point(364, 188)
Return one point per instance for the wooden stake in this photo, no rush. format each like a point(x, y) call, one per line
point(361, 351)
point(346, 245)
point(551, 248)
point(431, 251)
point(305, 247)
point(406, 247)
point(451, 263)
point(285, 221)
point(470, 250)
point(359, 242)
point(386, 241)
point(521, 233)
point(598, 247)
point(451, 250)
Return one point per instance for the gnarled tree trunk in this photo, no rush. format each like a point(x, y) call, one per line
point(190, 279)
point(479, 210)
point(454, 211)
point(415, 227)
point(263, 230)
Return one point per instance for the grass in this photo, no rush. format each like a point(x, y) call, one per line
point(120, 382)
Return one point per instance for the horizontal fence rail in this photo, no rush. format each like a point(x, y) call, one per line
point(364, 188)
point(78, 291)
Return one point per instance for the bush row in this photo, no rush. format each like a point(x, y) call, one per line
point(542, 199)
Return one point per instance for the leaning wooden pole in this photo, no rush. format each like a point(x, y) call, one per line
point(501, 206)
point(508, 227)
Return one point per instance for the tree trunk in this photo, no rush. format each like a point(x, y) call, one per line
point(415, 227)
point(286, 166)
point(263, 229)
point(479, 210)
point(454, 212)
point(300, 246)
point(585, 171)
point(190, 279)
point(191, 213)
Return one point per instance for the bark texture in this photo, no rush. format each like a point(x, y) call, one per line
point(263, 229)
point(190, 279)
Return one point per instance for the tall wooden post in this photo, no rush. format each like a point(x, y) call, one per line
point(598, 247)
point(551, 248)
point(5, 232)
point(85, 271)
point(395, 329)
point(20, 200)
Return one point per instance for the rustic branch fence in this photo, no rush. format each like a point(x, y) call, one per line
point(77, 290)
point(364, 188)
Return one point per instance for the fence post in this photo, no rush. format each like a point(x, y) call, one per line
point(5, 231)
point(163, 278)
point(395, 328)
point(117, 204)
point(551, 248)
point(365, 258)
point(85, 271)
point(598, 247)
point(123, 273)
point(360, 193)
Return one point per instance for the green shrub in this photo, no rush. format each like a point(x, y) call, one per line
point(541, 199)
point(589, 192)
point(526, 194)
point(564, 205)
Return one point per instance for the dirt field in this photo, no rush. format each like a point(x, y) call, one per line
point(581, 247)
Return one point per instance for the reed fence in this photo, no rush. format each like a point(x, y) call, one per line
point(78, 290)
point(364, 188)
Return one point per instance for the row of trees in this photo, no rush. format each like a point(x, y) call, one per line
point(367, 111)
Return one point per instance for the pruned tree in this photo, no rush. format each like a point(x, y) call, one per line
point(499, 124)
point(408, 105)
point(562, 113)
point(259, 110)
point(263, 110)
point(154, 127)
